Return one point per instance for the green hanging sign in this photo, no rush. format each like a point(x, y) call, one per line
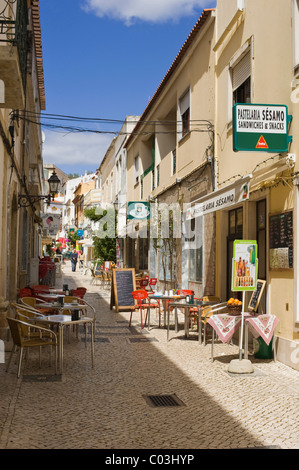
point(261, 128)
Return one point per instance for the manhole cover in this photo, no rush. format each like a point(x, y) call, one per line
point(142, 340)
point(163, 400)
point(97, 340)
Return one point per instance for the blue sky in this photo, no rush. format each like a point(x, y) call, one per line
point(104, 59)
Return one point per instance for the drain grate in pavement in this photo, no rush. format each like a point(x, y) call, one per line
point(41, 378)
point(142, 340)
point(163, 400)
point(96, 340)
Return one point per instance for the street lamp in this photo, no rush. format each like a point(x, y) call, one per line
point(26, 200)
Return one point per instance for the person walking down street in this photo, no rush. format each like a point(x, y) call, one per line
point(81, 259)
point(74, 259)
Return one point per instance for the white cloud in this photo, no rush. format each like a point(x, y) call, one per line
point(81, 150)
point(146, 10)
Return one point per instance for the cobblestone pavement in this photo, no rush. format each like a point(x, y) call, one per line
point(105, 407)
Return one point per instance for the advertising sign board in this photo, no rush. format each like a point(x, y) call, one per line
point(244, 269)
point(261, 127)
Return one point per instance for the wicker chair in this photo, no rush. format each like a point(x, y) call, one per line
point(17, 328)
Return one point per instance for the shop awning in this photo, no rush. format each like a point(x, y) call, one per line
point(85, 242)
point(222, 198)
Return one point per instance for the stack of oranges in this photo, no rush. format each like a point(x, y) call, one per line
point(234, 302)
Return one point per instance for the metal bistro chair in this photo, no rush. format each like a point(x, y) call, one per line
point(25, 342)
point(194, 311)
point(95, 276)
point(31, 302)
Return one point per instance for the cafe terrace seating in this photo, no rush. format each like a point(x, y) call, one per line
point(142, 303)
point(22, 341)
point(95, 276)
point(25, 314)
point(206, 312)
point(40, 288)
point(152, 282)
point(79, 292)
point(31, 301)
point(183, 292)
point(26, 292)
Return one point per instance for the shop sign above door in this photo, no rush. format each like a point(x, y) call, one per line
point(221, 199)
point(261, 128)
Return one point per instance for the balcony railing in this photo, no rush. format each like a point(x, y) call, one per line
point(13, 29)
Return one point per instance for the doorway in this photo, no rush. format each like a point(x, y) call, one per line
point(235, 232)
point(261, 238)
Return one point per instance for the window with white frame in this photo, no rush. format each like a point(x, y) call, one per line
point(240, 80)
point(136, 170)
point(184, 114)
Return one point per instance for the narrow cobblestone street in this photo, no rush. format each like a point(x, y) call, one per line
point(105, 407)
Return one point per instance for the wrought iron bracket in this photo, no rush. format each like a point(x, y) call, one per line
point(26, 200)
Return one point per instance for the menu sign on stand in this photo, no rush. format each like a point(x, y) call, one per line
point(281, 240)
point(256, 295)
point(122, 286)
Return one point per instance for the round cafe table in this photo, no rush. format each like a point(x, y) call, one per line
point(66, 320)
point(164, 299)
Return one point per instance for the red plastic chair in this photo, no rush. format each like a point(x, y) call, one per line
point(152, 282)
point(79, 292)
point(141, 296)
point(180, 292)
point(143, 283)
point(41, 288)
point(185, 292)
point(26, 292)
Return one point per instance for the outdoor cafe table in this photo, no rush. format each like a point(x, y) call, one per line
point(164, 299)
point(226, 325)
point(61, 307)
point(66, 320)
point(50, 296)
point(184, 305)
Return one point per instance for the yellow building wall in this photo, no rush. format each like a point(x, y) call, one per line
point(268, 29)
point(196, 72)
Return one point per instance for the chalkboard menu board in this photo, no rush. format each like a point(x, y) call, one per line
point(122, 286)
point(256, 295)
point(281, 240)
